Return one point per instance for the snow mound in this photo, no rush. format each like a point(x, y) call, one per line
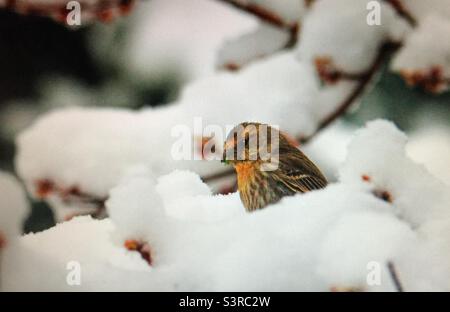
point(385, 209)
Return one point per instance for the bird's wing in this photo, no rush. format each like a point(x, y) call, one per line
point(299, 174)
point(302, 182)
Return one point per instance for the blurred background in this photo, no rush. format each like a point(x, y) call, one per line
point(143, 59)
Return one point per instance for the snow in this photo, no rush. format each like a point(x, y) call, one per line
point(160, 27)
point(178, 180)
point(276, 91)
point(13, 209)
point(102, 262)
point(289, 10)
point(186, 197)
point(132, 218)
point(328, 149)
point(264, 40)
point(352, 252)
point(388, 169)
point(13, 206)
point(240, 51)
point(420, 52)
point(345, 37)
point(231, 36)
point(314, 241)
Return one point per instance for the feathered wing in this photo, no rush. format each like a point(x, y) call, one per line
point(299, 174)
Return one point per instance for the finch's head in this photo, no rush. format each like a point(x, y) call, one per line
point(253, 142)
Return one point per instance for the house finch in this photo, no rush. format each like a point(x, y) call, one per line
point(268, 165)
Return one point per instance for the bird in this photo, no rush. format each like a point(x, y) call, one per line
point(264, 180)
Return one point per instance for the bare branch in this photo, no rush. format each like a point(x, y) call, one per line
point(403, 11)
point(384, 52)
point(71, 195)
point(262, 13)
point(330, 74)
point(269, 17)
point(218, 176)
point(394, 276)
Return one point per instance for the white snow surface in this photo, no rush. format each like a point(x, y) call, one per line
point(321, 240)
point(13, 205)
point(182, 35)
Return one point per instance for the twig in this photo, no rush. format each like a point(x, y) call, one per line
point(394, 276)
point(260, 12)
point(217, 176)
point(101, 9)
point(269, 17)
point(385, 51)
point(46, 187)
point(330, 74)
point(396, 4)
point(403, 11)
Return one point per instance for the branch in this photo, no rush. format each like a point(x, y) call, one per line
point(383, 53)
point(72, 195)
point(394, 277)
point(261, 13)
point(403, 11)
point(103, 10)
point(269, 17)
point(217, 176)
point(330, 74)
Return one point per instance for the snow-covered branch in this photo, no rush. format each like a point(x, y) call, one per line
point(102, 10)
point(363, 81)
point(403, 11)
point(422, 62)
point(283, 89)
point(198, 241)
point(278, 30)
point(265, 14)
point(394, 276)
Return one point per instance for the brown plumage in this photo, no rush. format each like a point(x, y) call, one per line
point(263, 181)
